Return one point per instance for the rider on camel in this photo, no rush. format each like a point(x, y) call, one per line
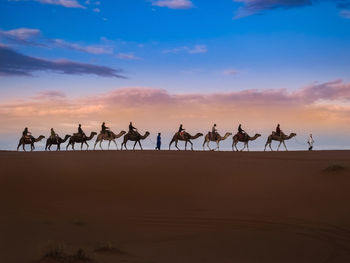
point(81, 132)
point(214, 132)
point(26, 133)
point(241, 131)
point(181, 130)
point(278, 131)
point(132, 129)
point(54, 135)
point(105, 129)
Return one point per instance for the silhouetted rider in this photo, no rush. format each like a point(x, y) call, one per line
point(80, 131)
point(278, 130)
point(132, 129)
point(105, 129)
point(26, 133)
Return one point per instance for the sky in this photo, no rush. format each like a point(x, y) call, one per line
point(160, 63)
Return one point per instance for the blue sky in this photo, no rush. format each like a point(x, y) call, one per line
point(181, 46)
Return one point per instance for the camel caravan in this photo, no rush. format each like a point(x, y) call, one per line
point(133, 135)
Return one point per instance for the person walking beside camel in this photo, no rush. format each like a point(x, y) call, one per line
point(158, 142)
point(311, 142)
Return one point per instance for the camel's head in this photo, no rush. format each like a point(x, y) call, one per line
point(293, 134)
point(200, 134)
point(41, 137)
point(147, 133)
point(93, 134)
point(257, 135)
point(67, 136)
point(123, 132)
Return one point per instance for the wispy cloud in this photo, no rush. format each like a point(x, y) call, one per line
point(174, 4)
point(92, 49)
point(128, 56)
point(13, 63)
point(230, 72)
point(33, 37)
point(96, 10)
point(22, 36)
point(64, 3)
point(197, 49)
point(345, 14)
point(251, 7)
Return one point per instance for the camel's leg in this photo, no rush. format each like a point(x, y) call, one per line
point(285, 146)
point(140, 145)
point(217, 145)
point(270, 146)
point(236, 146)
point(176, 145)
point(19, 144)
point(95, 144)
point(23, 146)
point(208, 145)
point(243, 147)
point(191, 145)
point(185, 145)
point(134, 145)
point(109, 144)
point(32, 147)
point(73, 146)
point(204, 144)
point(101, 144)
point(171, 143)
point(247, 147)
point(116, 145)
point(58, 147)
point(279, 145)
point(87, 145)
point(233, 145)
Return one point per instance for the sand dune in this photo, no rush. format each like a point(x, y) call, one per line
point(169, 206)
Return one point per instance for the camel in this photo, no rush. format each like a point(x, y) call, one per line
point(79, 139)
point(134, 136)
point(281, 139)
point(112, 137)
point(186, 137)
point(50, 141)
point(245, 140)
point(208, 138)
point(29, 140)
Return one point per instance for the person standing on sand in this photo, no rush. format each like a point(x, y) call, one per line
point(158, 142)
point(311, 142)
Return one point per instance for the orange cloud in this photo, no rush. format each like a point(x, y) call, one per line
point(325, 107)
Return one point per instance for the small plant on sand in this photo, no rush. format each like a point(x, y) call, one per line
point(334, 168)
point(57, 253)
point(108, 247)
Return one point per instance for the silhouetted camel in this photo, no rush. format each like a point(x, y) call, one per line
point(134, 136)
point(80, 139)
point(186, 137)
point(56, 141)
point(111, 138)
point(208, 138)
point(281, 139)
point(245, 139)
point(29, 140)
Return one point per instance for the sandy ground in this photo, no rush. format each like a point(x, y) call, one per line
point(169, 206)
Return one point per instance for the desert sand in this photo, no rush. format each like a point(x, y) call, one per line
point(170, 206)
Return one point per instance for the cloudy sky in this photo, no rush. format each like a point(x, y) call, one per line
point(160, 63)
